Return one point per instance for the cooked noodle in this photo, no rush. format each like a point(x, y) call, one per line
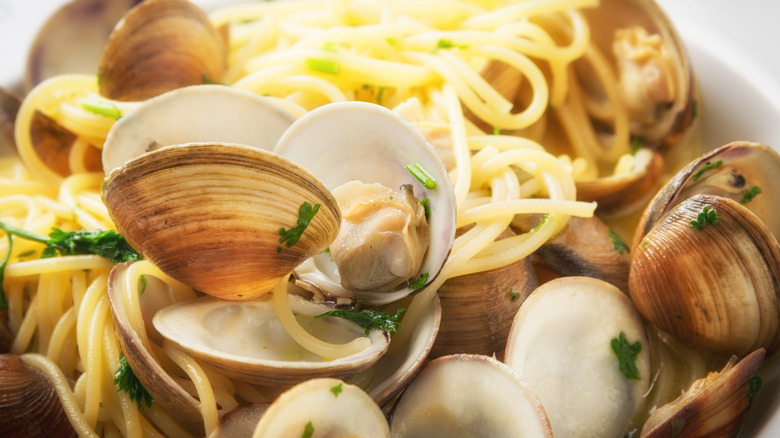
point(388, 53)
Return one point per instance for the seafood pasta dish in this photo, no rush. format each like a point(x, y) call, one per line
point(376, 218)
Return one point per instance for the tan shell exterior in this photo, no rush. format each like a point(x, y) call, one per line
point(715, 406)
point(716, 287)
point(29, 405)
point(209, 215)
point(158, 46)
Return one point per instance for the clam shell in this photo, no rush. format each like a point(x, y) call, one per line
point(347, 141)
point(29, 404)
point(329, 406)
point(198, 113)
point(246, 341)
point(714, 406)
point(716, 287)
point(210, 214)
point(158, 46)
point(468, 395)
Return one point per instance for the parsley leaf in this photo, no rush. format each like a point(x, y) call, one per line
point(617, 242)
point(705, 168)
point(513, 295)
point(336, 390)
point(750, 194)
point(706, 217)
point(305, 215)
point(753, 386)
point(3, 262)
point(626, 354)
point(308, 430)
point(126, 380)
point(420, 282)
point(367, 319)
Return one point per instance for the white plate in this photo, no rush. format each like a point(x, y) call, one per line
point(733, 46)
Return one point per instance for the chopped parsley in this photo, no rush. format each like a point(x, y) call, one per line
point(636, 144)
point(105, 243)
point(336, 390)
point(706, 217)
point(426, 203)
point(126, 380)
point(496, 131)
point(305, 215)
point(367, 319)
point(705, 168)
point(448, 44)
point(102, 107)
point(617, 242)
point(323, 66)
point(142, 284)
point(420, 282)
point(3, 262)
point(626, 354)
point(750, 194)
point(513, 295)
point(422, 175)
point(208, 81)
point(308, 430)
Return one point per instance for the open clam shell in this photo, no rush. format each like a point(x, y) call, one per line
point(246, 341)
point(716, 405)
point(210, 214)
point(199, 113)
point(349, 141)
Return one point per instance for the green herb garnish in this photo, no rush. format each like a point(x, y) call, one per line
point(617, 242)
point(323, 66)
point(420, 282)
point(539, 225)
point(105, 243)
point(448, 44)
point(126, 380)
point(142, 284)
point(426, 203)
point(705, 168)
point(101, 107)
point(336, 390)
point(706, 217)
point(367, 319)
point(496, 131)
point(3, 262)
point(513, 295)
point(626, 354)
point(422, 175)
point(308, 430)
point(750, 194)
point(636, 144)
point(305, 215)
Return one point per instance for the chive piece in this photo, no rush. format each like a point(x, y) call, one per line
point(323, 66)
point(420, 282)
point(308, 430)
point(705, 168)
point(330, 46)
point(752, 193)
point(422, 175)
point(426, 203)
point(102, 108)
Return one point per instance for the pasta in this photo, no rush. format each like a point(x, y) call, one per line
point(422, 57)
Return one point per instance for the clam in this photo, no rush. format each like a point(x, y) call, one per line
point(711, 282)
point(478, 309)
point(158, 46)
point(323, 407)
point(29, 403)
point(581, 347)
point(198, 113)
point(714, 405)
point(731, 171)
point(246, 341)
point(239, 422)
point(466, 395)
point(655, 75)
point(390, 245)
point(211, 214)
point(73, 38)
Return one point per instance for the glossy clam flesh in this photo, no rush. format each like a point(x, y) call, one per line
point(372, 145)
point(245, 340)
